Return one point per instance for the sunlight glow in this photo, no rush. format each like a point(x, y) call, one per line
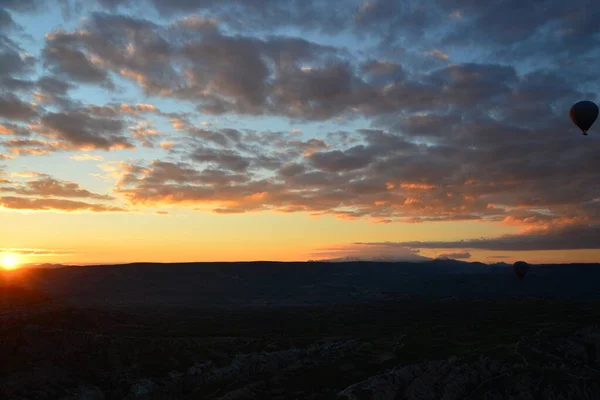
point(9, 261)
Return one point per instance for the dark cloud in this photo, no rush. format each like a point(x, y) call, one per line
point(570, 237)
point(225, 159)
point(61, 58)
point(14, 129)
point(387, 178)
point(54, 91)
point(257, 15)
point(12, 107)
point(6, 21)
point(335, 161)
point(221, 73)
point(47, 186)
point(528, 31)
point(463, 255)
point(288, 76)
point(20, 5)
point(81, 130)
point(30, 146)
point(53, 85)
point(211, 136)
point(161, 172)
point(382, 68)
point(15, 63)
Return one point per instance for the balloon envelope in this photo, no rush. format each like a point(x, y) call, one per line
point(584, 114)
point(521, 268)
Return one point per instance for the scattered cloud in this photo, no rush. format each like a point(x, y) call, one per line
point(465, 103)
point(570, 237)
point(46, 186)
point(37, 252)
point(437, 54)
point(87, 157)
point(29, 204)
point(13, 108)
point(357, 251)
point(463, 255)
point(80, 130)
point(144, 133)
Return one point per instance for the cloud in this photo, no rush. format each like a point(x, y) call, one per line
point(22, 203)
point(54, 91)
point(192, 59)
point(336, 160)
point(11, 107)
point(251, 15)
point(246, 75)
point(571, 237)
point(382, 176)
point(37, 252)
point(437, 54)
point(31, 146)
point(455, 256)
point(144, 133)
point(6, 21)
point(356, 251)
point(54, 86)
point(13, 129)
point(80, 130)
point(63, 58)
point(226, 159)
point(46, 186)
point(87, 157)
point(165, 182)
point(20, 5)
point(465, 123)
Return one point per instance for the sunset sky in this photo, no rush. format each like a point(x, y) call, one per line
point(222, 130)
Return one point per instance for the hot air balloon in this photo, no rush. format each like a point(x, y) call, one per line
point(584, 114)
point(521, 268)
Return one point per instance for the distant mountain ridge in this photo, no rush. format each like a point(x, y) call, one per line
point(415, 258)
point(250, 284)
point(44, 265)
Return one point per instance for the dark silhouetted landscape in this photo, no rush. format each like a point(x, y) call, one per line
point(424, 173)
point(442, 329)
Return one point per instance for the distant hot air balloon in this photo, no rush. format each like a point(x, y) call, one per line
point(584, 114)
point(521, 268)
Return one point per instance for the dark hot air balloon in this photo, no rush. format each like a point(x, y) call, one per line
point(521, 268)
point(584, 114)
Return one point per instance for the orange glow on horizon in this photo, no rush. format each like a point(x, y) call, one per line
point(9, 261)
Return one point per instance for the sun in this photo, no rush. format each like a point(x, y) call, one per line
point(9, 261)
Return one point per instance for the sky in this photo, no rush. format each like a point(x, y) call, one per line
point(292, 130)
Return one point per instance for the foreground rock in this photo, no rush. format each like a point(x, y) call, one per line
point(545, 366)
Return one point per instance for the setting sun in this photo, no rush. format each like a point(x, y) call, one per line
point(9, 261)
